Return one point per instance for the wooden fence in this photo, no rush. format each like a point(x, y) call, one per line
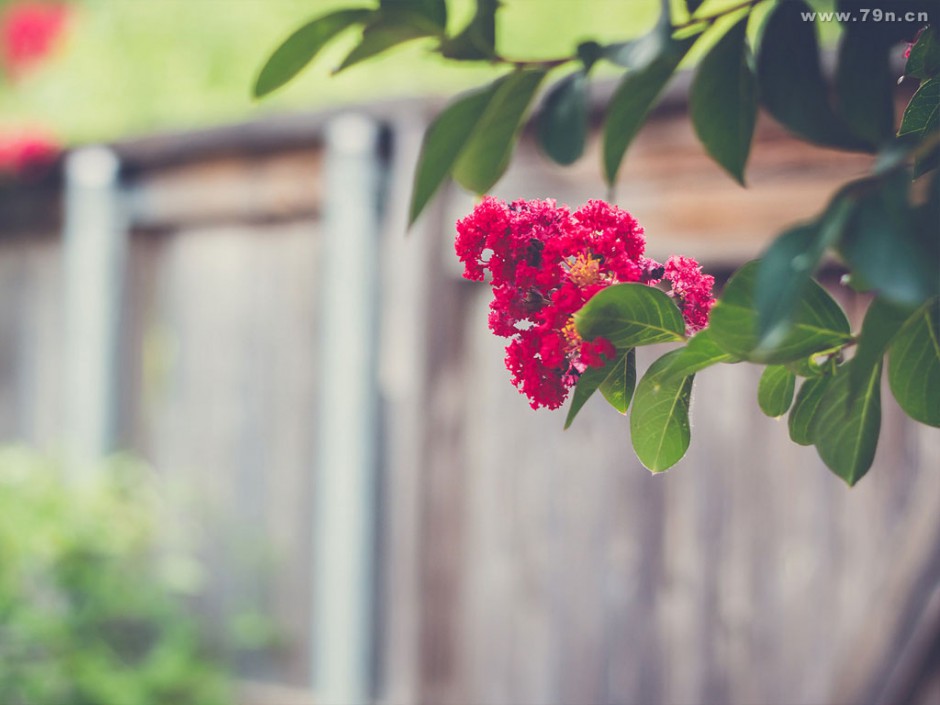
point(517, 564)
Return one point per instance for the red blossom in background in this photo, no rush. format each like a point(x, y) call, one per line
point(545, 263)
point(26, 153)
point(28, 33)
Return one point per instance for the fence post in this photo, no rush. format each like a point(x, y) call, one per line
point(345, 483)
point(94, 246)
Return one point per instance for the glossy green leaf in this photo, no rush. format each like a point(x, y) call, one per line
point(846, 433)
point(723, 101)
point(486, 153)
point(659, 422)
point(882, 322)
point(865, 84)
point(634, 98)
point(478, 39)
point(922, 112)
point(563, 119)
point(629, 315)
point(924, 60)
point(914, 365)
point(381, 36)
point(805, 367)
point(302, 46)
point(587, 384)
point(786, 268)
point(619, 384)
point(775, 390)
point(817, 324)
point(881, 245)
point(443, 141)
point(700, 352)
point(803, 414)
point(792, 87)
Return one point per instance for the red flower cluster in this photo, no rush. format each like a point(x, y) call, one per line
point(546, 263)
point(28, 32)
point(26, 153)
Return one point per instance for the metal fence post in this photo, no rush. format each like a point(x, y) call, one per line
point(94, 245)
point(345, 484)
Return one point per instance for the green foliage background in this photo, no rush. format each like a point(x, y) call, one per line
point(129, 66)
point(90, 610)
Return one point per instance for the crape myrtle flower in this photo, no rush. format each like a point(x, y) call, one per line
point(544, 263)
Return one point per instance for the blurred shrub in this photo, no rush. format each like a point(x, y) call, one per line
point(85, 615)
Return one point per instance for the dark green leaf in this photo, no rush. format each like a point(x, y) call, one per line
point(865, 84)
point(618, 386)
point(589, 52)
point(846, 434)
point(791, 81)
point(723, 101)
point(882, 322)
point(805, 367)
point(486, 153)
point(434, 11)
point(629, 315)
point(380, 36)
point(588, 382)
point(924, 60)
point(443, 141)
point(786, 268)
point(775, 390)
point(700, 352)
point(659, 422)
point(634, 98)
point(803, 415)
point(914, 365)
point(922, 112)
point(881, 245)
point(478, 40)
point(302, 46)
point(817, 324)
point(563, 120)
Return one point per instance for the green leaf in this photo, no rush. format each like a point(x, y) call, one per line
point(381, 35)
point(563, 120)
point(924, 60)
point(478, 40)
point(817, 324)
point(786, 268)
point(865, 85)
point(634, 98)
point(693, 5)
point(775, 390)
point(914, 365)
point(700, 352)
point(791, 80)
point(921, 114)
point(486, 153)
point(882, 322)
point(587, 384)
point(881, 245)
point(618, 386)
point(802, 417)
point(616, 380)
point(302, 46)
point(846, 434)
point(434, 11)
point(443, 141)
point(659, 422)
point(629, 315)
point(723, 101)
